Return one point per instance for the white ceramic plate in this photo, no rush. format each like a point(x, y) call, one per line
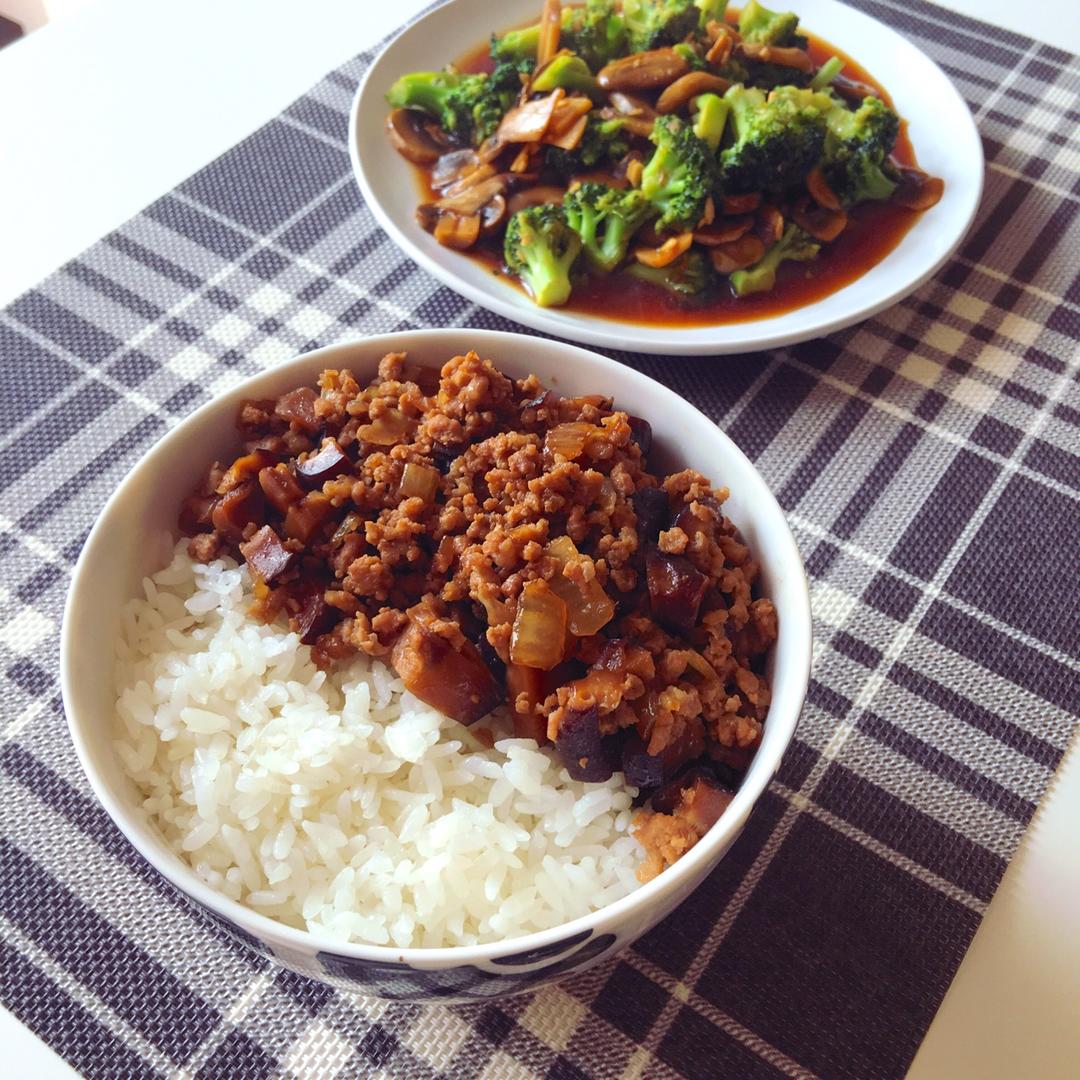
point(942, 131)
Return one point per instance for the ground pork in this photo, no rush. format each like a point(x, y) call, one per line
point(514, 539)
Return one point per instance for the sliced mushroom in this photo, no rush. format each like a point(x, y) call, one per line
point(468, 181)
point(640, 126)
point(490, 148)
point(534, 196)
point(820, 222)
point(409, 138)
point(770, 224)
point(628, 105)
point(650, 70)
point(684, 89)
point(917, 190)
point(457, 220)
point(737, 255)
point(740, 204)
point(473, 198)
point(452, 167)
point(666, 253)
point(493, 215)
point(798, 59)
point(529, 122)
point(724, 230)
point(458, 231)
point(852, 90)
point(820, 191)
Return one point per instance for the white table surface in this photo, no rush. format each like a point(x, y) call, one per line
point(115, 104)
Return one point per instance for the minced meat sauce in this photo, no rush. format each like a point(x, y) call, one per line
point(496, 542)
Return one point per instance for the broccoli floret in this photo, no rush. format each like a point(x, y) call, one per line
point(605, 219)
point(498, 95)
point(565, 70)
point(469, 107)
point(710, 119)
point(446, 95)
point(692, 55)
point(794, 245)
point(603, 143)
point(759, 24)
point(857, 145)
point(687, 275)
point(651, 24)
point(540, 248)
point(680, 175)
point(778, 139)
point(774, 76)
point(516, 45)
point(596, 32)
point(711, 11)
point(735, 71)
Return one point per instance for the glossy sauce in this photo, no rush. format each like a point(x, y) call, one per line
point(873, 231)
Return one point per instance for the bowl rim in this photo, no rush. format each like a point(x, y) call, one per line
point(786, 328)
point(141, 833)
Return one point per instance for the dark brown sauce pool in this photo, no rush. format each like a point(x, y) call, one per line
point(873, 231)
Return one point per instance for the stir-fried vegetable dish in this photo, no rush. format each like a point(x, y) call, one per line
point(498, 543)
point(694, 150)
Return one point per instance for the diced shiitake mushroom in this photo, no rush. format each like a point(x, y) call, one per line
point(676, 589)
point(266, 555)
point(453, 679)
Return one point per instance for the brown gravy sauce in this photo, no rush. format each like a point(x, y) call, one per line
point(873, 231)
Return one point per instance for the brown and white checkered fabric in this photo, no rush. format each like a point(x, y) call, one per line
point(929, 463)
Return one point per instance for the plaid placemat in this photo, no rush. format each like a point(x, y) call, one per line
point(929, 462)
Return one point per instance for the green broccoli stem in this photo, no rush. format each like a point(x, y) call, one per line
point(793, 246)
point(689, 274)
point(567, 71)
point(710, 119)
point(547, 279)
point(826, 73)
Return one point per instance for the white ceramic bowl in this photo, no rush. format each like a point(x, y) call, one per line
point(121, 550)
point(945, 138)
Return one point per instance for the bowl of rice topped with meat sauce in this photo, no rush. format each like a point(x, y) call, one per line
point(439, 664)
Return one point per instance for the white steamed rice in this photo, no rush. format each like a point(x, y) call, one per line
point(338, 802)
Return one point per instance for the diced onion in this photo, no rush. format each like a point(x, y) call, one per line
point(588, 608)
point(390, 428)
point(419, 481)
point(568, 439)
point(539, 632)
